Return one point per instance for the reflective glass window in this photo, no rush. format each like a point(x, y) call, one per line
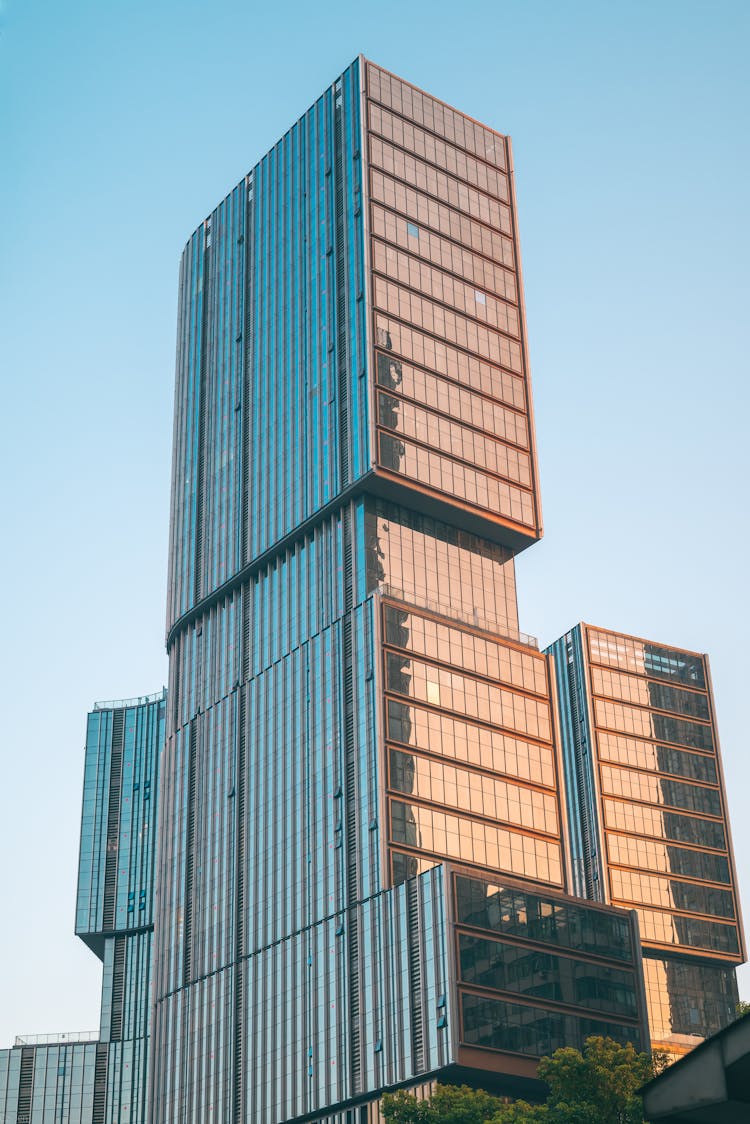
point(497, 1025)
point(544, 975)
point(529, 916)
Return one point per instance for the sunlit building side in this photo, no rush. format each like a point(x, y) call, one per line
point(648, 819)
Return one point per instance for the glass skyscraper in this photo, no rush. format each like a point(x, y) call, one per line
point(361, 874)
point(90, 1078)
point(648, 818)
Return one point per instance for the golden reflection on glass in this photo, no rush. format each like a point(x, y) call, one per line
point(446, 324)
point(643, 820)
point(430, 564)
point(471, 697)
point(688, 932)
point(456, 440)
point(430, 213)
point(462, 405)
point(419, 275)
point(448, 476)
point(472, 792)
point(458, 740)
point(439, 357)
point(645, 692)
point(666, 893)
point(405, 865)
point(438, 152)
point(424, 110)
point(445, 254)
point(652, 789)
point(469, 841)
point(464, 650)
point(645, 723)
point(644, 658)
point(687, 1000)
point(420, 175)
point(658, 758)
point(650, 854)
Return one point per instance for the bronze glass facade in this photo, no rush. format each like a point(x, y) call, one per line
point(451, 408)
point(647, 809)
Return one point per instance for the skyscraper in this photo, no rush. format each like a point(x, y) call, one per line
point(649, 826)
point(351, 703)
point(88, 1078)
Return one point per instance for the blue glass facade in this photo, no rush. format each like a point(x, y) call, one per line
point(89, 1079)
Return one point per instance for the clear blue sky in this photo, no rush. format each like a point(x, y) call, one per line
point(122, 125)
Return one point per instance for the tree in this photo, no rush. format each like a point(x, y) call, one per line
point(597, 1086)
point(449, 1104)
point(743, 1008)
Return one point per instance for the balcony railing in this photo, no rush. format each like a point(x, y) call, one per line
point(122, 704)
point(71, 1036)
point(476, 619)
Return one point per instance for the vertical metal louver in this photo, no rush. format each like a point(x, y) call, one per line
point(118, 988)
point(191, 814)
point(415, 973)
point(340, 289)
point(200, 468)
point(113, 820)
point(100, 1083)
point(245, 458)
point(239, 910)
point(581, 778)
point(351, 804)
point(25, 1086)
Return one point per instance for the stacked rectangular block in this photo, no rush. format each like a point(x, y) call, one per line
point(56, 1079)
point(649, 824)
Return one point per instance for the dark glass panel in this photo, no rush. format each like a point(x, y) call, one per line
point(668, 664)
point(692, 797)
point(543, 975)
point(685, 764)
point(697, 864)
point(532, 1030)
point(520, 914)
point(702, 899)
point(665, 697)
point(701, 833)
point(683, 732)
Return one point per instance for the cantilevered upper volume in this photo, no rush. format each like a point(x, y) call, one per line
point(351, 317)
point(450, 401)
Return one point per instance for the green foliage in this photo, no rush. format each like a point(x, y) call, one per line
point(743, 1008)
point(449, 1104)
point(598, 1086)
